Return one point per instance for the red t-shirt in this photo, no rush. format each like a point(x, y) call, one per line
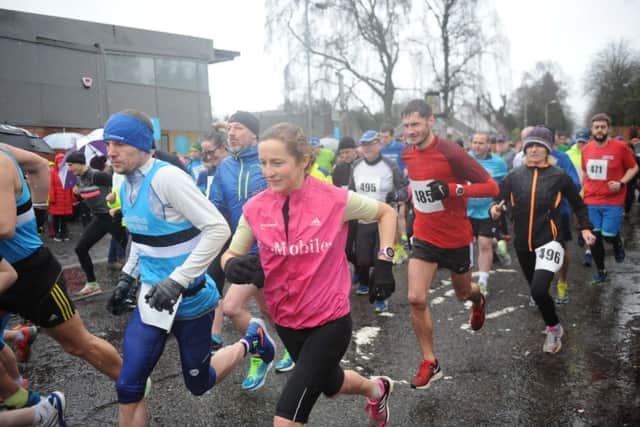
point(444, 223)
point(601, 165)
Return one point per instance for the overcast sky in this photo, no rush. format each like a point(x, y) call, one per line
point(568, 32)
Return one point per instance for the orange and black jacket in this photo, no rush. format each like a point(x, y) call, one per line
point(533, 196)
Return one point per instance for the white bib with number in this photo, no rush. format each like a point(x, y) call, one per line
point(597, 169)
point(151, 316)
point(549, 257)
point(422, 198)
point(369, 187)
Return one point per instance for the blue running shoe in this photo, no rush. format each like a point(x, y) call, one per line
point(56, 399)
point(286, 363)
point(259, 342)
point(381, 306)
point(600, 277)
point(257, 374)
point(362, 290)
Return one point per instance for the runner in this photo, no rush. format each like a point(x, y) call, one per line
point(299, 224)
point(175, 235)
point(93, 188)
point(607, 166)
point(39, 294)
point(379, 178)
point(484, 228)
point(238, 178)
point(441, 175)
point(532, 194)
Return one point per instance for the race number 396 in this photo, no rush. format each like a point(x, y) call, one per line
point(549, 257)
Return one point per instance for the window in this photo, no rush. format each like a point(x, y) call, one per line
point(177, 74)
point(130, 69)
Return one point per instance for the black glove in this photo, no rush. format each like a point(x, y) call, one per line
point(392, 197)
point(244, 269)
point(383, 283)
point(437, 190)
point(164, 295)
point(117, 301)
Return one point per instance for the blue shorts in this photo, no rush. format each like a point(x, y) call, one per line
point(606, 218)
point(143, 345)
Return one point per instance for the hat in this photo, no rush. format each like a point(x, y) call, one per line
point(77, 157)
point(127, 129)
point(346, 142)
point(315, 142)
point(247, 120)
point(583, 135)
point(196, 147)
point(369, 137)
point(539, 135)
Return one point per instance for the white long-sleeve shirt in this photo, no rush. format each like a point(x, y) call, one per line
point(175, 198)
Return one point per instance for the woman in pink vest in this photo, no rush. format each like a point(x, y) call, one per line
point(300, 224)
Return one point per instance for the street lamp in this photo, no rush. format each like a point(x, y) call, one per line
point(546, 111)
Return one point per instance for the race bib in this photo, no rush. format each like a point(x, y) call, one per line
point(422, 198)
point(549, 257)
point(151, 316)
point(370, 187)
point(597, 169)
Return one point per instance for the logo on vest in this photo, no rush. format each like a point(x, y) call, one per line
point(313, 246)
point(316, 222)
point(264, 226)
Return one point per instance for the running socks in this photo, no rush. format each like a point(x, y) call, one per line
point(379, 391)
point(22, 398)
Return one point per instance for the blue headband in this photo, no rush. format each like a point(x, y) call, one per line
point(129, 130)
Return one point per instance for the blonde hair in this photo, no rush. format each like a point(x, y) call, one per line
point(297, 144)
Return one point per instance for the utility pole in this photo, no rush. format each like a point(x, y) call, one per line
point(307, 41)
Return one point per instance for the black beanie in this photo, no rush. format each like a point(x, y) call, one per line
point(246, 119)
point(76, 157)
point(346, 142)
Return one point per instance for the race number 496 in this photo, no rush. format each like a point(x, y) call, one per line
point(549, 257)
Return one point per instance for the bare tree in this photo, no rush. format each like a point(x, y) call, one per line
point(358, 39)
point(458, 47)
point(613, 83)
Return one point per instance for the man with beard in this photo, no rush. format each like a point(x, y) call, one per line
point(607, 165)
point(441, 175)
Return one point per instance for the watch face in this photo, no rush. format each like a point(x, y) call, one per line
point(459, 190)
point(388, 251)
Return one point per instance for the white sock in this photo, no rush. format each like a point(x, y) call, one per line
point(45, 414)
point(483, 277)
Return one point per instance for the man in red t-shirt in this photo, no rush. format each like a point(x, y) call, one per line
point(441, 176)
point(607, 166)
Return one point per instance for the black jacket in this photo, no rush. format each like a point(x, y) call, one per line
point(533, 196)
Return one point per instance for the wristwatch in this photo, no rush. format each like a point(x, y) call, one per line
point(387, 252)
point(459, 190)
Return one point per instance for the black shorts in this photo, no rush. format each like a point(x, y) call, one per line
point(564, 230)
point(366, 245)
point(485, 227)
point(457, 260)
point(39, 294)
point(317, 353)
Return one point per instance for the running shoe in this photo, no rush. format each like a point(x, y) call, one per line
point(563, 296)
point(56, 399)
point(600, 277)
point(362, 290)
point(378, 410)
point(588, 259)
point(286, 363)
point(89, 288)
point(553, 343)
point(381, 306)
point(259, 342)
point(23, 346)
point(428, 372)
point(476, 320)
point(618, 252)
point(216, 343)
point(257, 374)
point(503, 253)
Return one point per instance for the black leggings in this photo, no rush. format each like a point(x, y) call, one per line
point(366, 249)
point(539, 283)
point(100, 225)
point(317, 353)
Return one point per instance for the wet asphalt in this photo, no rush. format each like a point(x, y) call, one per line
point(498, 376)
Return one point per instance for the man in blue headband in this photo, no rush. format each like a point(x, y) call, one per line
point(175, 235)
